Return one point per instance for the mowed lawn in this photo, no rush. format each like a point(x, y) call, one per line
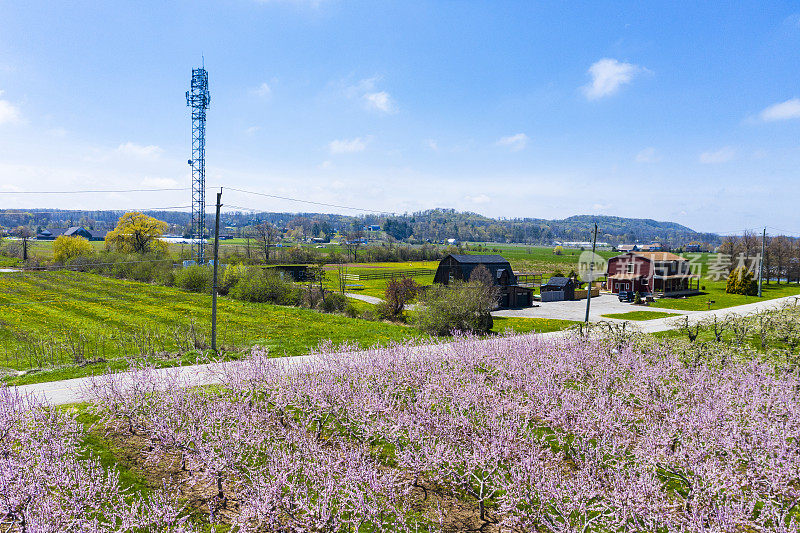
point(503, 324)
point(61, 318)
point(376, 287)
point(715, 292)
point(641, 315)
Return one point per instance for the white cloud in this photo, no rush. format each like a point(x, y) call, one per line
point(159, 183)
point(380, 101)
point(432, 144)
point(782, 111)
point(479, 199)
point(366, 90)
point(137, 150)
point(608, 75)
point(723, 155)
point(348, 146)
point(325, 164)
point(9, 113)
point(514, 142)
point(252, 129)
point(361, 87)
point(648, 155)
point(263, 90)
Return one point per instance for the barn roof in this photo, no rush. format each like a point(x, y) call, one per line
point(476, 259)
point(558, 281)
point(73, 230)
point(660, 256)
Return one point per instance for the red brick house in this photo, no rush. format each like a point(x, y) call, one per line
point(661, 273)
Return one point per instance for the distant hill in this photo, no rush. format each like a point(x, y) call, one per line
point(433, 225)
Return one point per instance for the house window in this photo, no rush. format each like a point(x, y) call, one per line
point(629, 268)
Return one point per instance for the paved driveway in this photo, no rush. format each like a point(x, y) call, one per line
point(601, 305)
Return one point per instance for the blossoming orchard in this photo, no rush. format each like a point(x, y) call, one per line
point(603, 433)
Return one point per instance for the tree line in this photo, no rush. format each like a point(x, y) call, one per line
point(781, 255)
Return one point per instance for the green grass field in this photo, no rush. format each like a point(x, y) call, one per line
point(528, 325)
point(536, 258)
point(715, 291)
point(57, 319)
point(640, 315)
point(376, 287)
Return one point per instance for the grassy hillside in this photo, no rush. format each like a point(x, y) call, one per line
point(66, 319)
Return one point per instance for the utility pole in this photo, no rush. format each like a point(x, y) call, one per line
point(216, 267)
point(761, 262)
point(591, 276)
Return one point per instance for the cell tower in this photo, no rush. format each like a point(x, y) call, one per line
point(199, 99)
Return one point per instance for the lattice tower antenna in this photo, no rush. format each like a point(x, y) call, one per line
point(199, 99)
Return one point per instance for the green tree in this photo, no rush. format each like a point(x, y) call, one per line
point(460, 306)
point(67, 248)
point(137, 233)
point(741, 281)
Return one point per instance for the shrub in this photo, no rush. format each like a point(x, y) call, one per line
point(334, 302)
point(383, 311)
point(464, 307)
point(195, 278)
point(67, 248)
point(259, 286)
point(558, 250)
point(232, 275)
point(351, 311)
point(740, 281)
point(165, 276)
point(398, 293)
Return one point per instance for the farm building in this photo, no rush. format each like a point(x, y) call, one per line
point(558, 289)
point(459, 267)
point(662, 273)
point(652, 247)
point(293, 272)
point(74, 231)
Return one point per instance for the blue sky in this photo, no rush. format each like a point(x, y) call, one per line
point(512, 109)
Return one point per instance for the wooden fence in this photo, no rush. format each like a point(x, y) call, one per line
point(411, 273)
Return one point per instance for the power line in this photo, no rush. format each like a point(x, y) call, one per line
point(337, 206)
point(93, 191)
point(56, 211)
point(785, 232)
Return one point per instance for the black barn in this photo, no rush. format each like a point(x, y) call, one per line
point(558, 289)
point(459, 268)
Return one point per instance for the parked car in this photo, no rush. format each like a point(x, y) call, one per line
point(626, 296)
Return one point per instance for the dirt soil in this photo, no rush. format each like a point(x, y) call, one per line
point(437, 503)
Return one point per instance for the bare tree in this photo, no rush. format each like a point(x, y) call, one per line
point(482, 275)
point(24, 233)
point(341, 271)
point(353, 242)
point(750, 244)
point(267, 235)
point(780, 251)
